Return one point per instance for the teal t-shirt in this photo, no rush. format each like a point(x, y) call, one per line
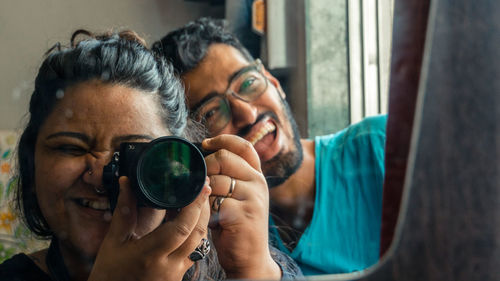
point(344, 233)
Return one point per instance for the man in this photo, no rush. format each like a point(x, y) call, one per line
point(326, 193)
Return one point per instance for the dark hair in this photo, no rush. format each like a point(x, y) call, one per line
point(114, 58)
point(186, 47)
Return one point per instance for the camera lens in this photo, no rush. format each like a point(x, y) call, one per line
point(170, 172)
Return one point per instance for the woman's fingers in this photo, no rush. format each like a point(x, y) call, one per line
point(236, 145)
point(193, 241)
point(124, 219)
point(173, 233)
point(226, 186)
point(230, 211)
point(239, 203)
point(225, 162)
point(163, 252)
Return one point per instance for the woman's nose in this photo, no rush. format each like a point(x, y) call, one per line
point(95, 165)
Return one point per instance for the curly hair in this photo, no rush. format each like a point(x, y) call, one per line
point(186, 47)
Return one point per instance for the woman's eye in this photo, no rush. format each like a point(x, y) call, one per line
point(71, 150)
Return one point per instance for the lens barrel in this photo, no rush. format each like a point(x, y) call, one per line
point(166, 173)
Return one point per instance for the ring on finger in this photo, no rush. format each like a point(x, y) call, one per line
point(217, 203)
point(231, 188)
point(201, 251)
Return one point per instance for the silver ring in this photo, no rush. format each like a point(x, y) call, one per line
point(99, 189)
point(231, 188)
point(90, 172)
point(201, 251)
point(217, 203)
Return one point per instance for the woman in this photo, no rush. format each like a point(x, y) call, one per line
point(88, 99)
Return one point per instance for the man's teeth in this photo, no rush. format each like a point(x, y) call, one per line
point(269, 127)
point(97, 205)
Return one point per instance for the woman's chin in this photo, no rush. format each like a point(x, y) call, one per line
point(84, 244)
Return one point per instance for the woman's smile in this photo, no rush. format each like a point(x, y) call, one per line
point(72, 151)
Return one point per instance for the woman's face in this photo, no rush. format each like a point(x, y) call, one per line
point(86, 126)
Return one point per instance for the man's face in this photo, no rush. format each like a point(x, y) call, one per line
point(265, 121)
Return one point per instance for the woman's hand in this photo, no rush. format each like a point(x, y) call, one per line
point(162, 252)
point(239, 220)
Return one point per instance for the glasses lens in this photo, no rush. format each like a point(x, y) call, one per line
point(214, 114)
point(249, 85)
point(171, 173)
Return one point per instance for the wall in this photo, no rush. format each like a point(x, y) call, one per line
point(348, 45)
point(29, 28)
point(327, 66)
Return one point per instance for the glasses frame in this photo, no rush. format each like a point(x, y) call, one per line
point(255, 65)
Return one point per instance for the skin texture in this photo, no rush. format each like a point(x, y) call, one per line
point(84, 129)
point(240, 226)
point(86, 126)
point(212, 75)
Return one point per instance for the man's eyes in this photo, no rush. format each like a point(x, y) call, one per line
point(247, 85)
point(209, 114)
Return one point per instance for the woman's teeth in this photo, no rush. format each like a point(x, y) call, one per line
point(266, 129)
point(97, 205)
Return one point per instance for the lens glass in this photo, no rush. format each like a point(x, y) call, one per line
point(171, 173)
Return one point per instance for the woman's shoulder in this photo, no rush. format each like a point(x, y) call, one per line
point(21, 268)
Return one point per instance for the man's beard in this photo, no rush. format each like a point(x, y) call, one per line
point(278, 169)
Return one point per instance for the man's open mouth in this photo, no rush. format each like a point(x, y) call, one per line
point(265, 139)
point(265, 130)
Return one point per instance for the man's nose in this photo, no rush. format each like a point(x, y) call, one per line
point(243, 113)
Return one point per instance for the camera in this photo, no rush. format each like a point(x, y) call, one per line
point(166, 173)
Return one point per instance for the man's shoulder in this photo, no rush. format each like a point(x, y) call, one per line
point(368, 127)
point(377, 122)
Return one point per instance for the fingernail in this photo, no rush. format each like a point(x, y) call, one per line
point(207, 190)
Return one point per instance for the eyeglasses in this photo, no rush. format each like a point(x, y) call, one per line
point(247, 85)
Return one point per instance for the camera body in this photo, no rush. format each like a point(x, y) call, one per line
point(166, 173)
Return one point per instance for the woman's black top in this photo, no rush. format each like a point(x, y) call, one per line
point(21, 268)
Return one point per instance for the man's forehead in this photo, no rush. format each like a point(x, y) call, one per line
point(222, 57)
point(213, 73)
